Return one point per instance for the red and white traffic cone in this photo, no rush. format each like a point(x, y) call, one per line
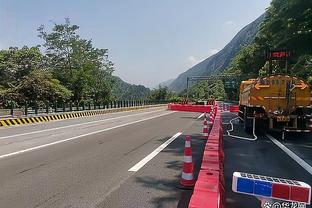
point(205, 129)
point(187, 178)
point(211, 118)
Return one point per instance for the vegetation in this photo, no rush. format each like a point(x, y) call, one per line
point(122, 90)
point(288, 25)
point(164, 94)
point(68, 68)
point(207, 90)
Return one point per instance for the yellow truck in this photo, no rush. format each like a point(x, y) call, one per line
point(277, 102)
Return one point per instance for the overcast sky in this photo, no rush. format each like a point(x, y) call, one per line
point(149, 41)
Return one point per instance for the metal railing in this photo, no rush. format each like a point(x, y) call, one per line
point(15, 110)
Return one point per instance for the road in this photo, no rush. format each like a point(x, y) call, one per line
point(263, 157)
point(85, 162)
point(130, 159)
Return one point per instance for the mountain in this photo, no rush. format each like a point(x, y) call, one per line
point(125, 91)
point(166, 83)
point(218, 62)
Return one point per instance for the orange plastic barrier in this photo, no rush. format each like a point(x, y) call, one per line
point(190, 108)
point(234, 108)
point(209, 189)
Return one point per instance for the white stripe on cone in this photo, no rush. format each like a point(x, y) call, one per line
point(187, 176)
point(188, 159)
point(187, 143)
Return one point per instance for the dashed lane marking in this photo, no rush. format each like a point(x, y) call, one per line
point(145, 160)
point(201, 115)
point(291, 154)
point(79, 136)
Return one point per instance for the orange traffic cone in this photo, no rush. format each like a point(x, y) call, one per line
point(187, 178)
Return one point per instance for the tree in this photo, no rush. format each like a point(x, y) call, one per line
point(16, 63)
point(205, 90)
point(40, 86)
point(79, 66)
point(24, 78)
point(162, 93)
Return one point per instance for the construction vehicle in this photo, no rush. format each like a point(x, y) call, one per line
point(277, 102)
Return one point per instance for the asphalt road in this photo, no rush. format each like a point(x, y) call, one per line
point(85, 162)
point(263, 157)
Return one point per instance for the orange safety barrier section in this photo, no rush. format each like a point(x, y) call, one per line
point(190, 108)
point(234, 108)
point(209, 189)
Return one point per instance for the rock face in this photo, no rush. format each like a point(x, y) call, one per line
point(218, 62)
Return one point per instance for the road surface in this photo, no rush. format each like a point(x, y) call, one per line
point(130, 159)
point(85, 162)
point(263, 157)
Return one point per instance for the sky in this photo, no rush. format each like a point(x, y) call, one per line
point(149, 41)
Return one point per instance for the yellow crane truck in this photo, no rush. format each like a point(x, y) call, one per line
point(276, 102)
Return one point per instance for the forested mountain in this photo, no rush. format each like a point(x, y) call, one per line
point(288, 25)
point(217, 63)
point(122, 90)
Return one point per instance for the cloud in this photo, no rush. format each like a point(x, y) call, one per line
point(229, 22)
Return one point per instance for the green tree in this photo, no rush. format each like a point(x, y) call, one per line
point(163, 93)
point(205, 90)
point(79, 66)
point(24, 78)
point(16, 63)
point(39, 85)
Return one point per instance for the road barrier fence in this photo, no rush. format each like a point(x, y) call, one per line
point(35, 108)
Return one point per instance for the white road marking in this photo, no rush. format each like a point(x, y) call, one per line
point(73, 125)
point(79, 136)
point(240, 137)
point(145, 160)
point(201, 115)
point(291, 154)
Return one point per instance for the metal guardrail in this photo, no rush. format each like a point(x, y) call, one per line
point(48, 108)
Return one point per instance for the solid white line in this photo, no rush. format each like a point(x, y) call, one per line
point(145, 160)
point(73, 125)
point(291, 154)
point(201, 115)
point(79, 136)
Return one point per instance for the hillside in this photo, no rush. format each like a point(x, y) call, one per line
point(217, 63)
point(125, 91)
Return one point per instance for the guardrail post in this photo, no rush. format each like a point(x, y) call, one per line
point(12, 108)
point(47, 107)
point(55, 106)
point(36, 108)
point(26, 108)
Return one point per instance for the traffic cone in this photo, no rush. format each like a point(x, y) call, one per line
point(211, 118)
point(187, 178)
point(205, 120)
